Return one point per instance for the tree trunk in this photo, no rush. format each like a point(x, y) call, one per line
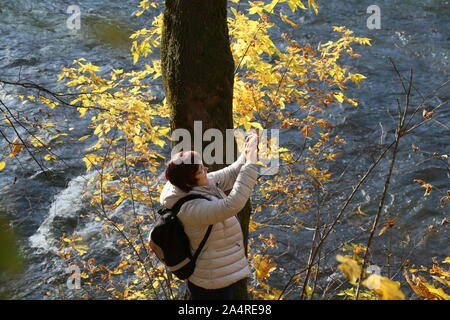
point(198, 74)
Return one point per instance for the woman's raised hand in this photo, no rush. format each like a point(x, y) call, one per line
point(251, 148)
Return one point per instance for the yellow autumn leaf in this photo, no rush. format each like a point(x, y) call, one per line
point(349, 267)
point(441, 280)
point(84, 137)
point(49, 124)
point(428, 188)
point(285, 19)
point(437, 292)
point(264, 266)
point(2, 165)
point(329, 156)
point(89, 160)
point(438, 270)
point(81, 251)
point(256, 125)
point(137, 140)
point(58, 135)
point(313, 4)
point(49, 157)
point(424, 289)
point(16, 147)
point(356, 78)
point(339, 96)
point(254, 225)
point(82, 111)
point(293, 4)
point(385, 288)
point(159, 142)
point(256, 8)
point(117, 271)
point(269, 7)
point(44, 100)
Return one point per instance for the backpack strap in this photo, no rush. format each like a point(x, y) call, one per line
point(176, 209)
point(202, 244)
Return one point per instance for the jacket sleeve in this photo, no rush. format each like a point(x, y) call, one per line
point(227, 176)
point(201, 212)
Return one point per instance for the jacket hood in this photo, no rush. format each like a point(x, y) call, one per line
point(171, 194)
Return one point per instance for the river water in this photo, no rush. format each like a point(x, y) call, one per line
point(36, 42)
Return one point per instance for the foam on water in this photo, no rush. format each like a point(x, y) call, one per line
point(66, 206)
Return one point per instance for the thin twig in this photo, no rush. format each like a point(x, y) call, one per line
point(399, 132)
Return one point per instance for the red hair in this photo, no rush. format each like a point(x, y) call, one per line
point(182, 168)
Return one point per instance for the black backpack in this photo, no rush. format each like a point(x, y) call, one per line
point(171, 244)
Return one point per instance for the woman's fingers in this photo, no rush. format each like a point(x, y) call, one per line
point(250, 149)
point(251, 153)
point(252, 140)
point(250, 136)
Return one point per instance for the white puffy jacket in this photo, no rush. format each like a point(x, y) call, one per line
point(222, 261)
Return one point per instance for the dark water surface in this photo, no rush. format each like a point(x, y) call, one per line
point(35, 43)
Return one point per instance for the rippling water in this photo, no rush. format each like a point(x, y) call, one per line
point(35, 43)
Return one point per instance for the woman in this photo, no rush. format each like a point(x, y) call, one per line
point(222, 261)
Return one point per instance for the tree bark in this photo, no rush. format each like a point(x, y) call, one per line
point(198, 74)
